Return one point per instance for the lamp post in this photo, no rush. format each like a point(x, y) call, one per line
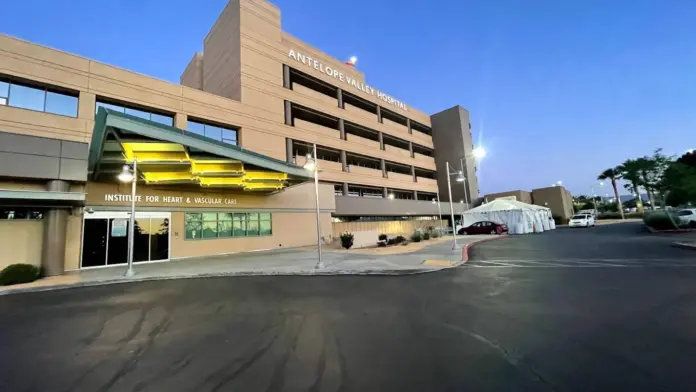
point(466, 196)
point(451, 203)
point(130, 174)
point(312, 166)
point(439, 210)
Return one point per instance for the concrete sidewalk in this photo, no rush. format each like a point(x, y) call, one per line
point(276, 262)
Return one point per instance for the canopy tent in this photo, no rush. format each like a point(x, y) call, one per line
point(521, 218)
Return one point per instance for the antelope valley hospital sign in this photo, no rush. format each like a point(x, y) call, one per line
point(321, 67)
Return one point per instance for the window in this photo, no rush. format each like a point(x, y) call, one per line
point(685, 213)
point(222, 134)
point(20, 213)
point(141, 113)
point(39, 99)
point(225, 224)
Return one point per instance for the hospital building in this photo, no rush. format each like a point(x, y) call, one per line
point(219, 155)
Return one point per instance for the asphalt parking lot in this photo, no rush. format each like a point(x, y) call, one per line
point(480, 327)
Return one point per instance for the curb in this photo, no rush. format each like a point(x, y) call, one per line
point(382, 272)
point(465, 249)
point(674, 231)
point(684, 245)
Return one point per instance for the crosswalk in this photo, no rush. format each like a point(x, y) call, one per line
point(582, 263)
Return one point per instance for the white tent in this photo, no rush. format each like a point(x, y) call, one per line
point(521, 218)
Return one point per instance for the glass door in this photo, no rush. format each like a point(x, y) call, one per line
point(103, 246)
point(94, 243)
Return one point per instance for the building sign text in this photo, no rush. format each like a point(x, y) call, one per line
point(115, 197)
point(319, 66)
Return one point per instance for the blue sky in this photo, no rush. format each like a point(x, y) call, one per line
point(557, 90)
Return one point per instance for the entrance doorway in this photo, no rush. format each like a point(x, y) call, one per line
point(105, 242)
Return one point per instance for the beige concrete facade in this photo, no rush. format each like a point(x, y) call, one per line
point(277, 91)
point(557, 198)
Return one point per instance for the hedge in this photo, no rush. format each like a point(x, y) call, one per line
point(19, 273)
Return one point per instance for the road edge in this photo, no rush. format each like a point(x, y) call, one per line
point(465, 249)
point(136, 279)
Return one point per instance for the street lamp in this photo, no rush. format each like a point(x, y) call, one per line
point(449, 189)
point(390, 196)
point(129, 173)
point(312, 166)
point(463, 181)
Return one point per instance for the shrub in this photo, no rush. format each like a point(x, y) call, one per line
point(416, 236)
point(435, 233)
point(399, 239)
point(659, 220)
point(19, 273)
point(382, 237)
point(347, 240)
point(391, 241)
point(426, 235)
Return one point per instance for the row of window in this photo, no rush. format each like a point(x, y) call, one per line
point(160, 118)
point(46, 100)
point(39, 99)
point(19, 213)
point(225, 135)
point(208, 225)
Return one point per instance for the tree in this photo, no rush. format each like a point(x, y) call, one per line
point(652, 170)
point(613, 174)
point(680, 180)
point(630, 172)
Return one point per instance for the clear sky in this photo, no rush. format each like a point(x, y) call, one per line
point(557, 90)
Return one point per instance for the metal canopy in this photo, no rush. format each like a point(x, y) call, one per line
point(171, 156)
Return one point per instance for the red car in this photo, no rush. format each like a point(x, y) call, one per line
point(484, 227)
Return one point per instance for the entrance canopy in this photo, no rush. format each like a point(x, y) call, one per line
point(171, 156)
point(521, 218)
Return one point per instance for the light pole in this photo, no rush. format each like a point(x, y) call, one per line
point(130, 174)
point(451, 203)
point(439, 211)
point(312, 165)
point(466, 196)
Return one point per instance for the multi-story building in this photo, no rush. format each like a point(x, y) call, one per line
point(219, 155)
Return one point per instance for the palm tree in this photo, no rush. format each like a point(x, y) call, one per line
point(613, 174)
point(630, 172)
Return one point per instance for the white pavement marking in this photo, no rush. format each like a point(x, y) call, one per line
point(580, 263)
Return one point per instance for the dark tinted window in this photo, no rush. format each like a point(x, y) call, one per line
point(222, 134)
point(141, 113)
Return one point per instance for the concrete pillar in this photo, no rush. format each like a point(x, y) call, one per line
point(383, 165)
point(408, 125)
point(410, 149)
point(379, 113)
point(339, 96)
point(342, 128)
point(385, 193)
point(87, 102)
point(288, 113)
point(413, 173)
point(415, 195)
point(180, 121)
point(344, 161)
point(55, 223)
point(289, 153)
point(286, 77)
point(345, 189)
point(381, 140)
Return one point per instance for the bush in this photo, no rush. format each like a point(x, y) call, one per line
point(659, 220)
point(435, 233)
point(617, 215)
point(382, 237)
point(426, 235)
point(391, 241)
point(399, 239)
point(416, 236)
point(19, 273)
point(347, 240)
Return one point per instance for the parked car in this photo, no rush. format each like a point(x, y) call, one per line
point(687, 215)
point(582, 220)
point(485, 227)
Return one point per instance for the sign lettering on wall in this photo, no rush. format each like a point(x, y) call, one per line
point(116, 197)
point(360, 85)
